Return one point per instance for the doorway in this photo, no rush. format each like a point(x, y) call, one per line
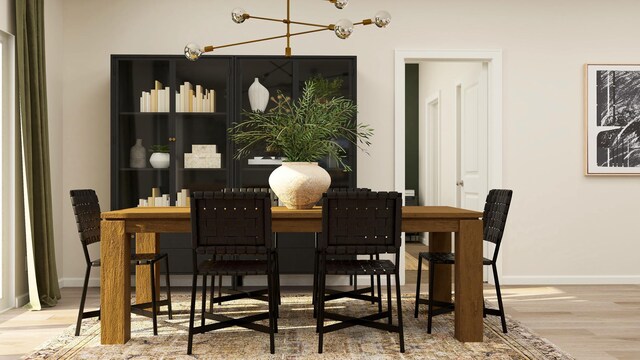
point(464, 95)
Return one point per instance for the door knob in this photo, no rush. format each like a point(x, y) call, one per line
point(460, 183)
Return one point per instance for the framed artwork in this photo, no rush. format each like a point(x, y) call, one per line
point(612, 119)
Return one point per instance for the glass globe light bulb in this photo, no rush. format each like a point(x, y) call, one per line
point(341, 4)
point(343, 28)
point(192, 51)
point(237, 15)
point(382, 19)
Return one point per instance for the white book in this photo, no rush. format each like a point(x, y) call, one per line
point(178, 102)
point(198, 107)
point(160, 95)
point(147, 101)
point(158, 201)
point(141, 103)
point(186, 99)
point(167, 99)
point(212, 99)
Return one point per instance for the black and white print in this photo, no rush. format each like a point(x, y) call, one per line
point(613, 119)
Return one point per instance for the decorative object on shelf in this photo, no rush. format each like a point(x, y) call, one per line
point(138, 155)
point(321, 121)
point(160, 158)
point(266, 160)
point(198, 99)
point(258, 96)
point(612, 120)
point(156, 199)
point(183, 198)
point(203, 157)
point(156, 99)
point(343, 28)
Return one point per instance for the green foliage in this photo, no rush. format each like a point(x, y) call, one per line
point(304, 130)
point(325, 88)
point(159, 149)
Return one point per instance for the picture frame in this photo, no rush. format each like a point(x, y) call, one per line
point(612, 119)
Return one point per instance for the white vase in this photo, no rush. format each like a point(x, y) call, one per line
point(299, 185)
point(160, 160)
point(258, 96)
point(138, 155)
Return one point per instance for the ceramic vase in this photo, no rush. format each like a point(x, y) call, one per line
point(160, 160)
point(138, 155)
point(299, 185)
point(258, 96)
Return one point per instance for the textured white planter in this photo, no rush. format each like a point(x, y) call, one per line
point(299, 185)
point(258, 96)
point(160, 160)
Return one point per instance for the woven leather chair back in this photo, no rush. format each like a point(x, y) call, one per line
point(87, 212)
point(231, 222)
point(273, 197)
point(494, 217)
point(361, 222)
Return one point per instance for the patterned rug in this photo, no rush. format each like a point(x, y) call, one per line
point(297, 337)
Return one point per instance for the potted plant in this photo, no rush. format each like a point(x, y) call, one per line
point(160, 158)
point(302, 132)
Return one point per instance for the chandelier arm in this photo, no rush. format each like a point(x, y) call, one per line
point(364, 22)
point(286, 21)
point(211, 47)
point(309, 31)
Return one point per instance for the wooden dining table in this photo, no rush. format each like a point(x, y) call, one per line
point(148, 222)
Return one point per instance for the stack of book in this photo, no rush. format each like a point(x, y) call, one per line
point(156, 99)
point(195, 99)
point(203, 157)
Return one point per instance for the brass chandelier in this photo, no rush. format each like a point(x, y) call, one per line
point(343, 28)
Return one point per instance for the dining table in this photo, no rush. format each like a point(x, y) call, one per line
point(147, 223)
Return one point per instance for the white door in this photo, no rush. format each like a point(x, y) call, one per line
point(432, 136)
point(472, 170)
point(472, 143)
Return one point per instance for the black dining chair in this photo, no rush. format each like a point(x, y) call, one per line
point(494, 219)
point(359, 223)
point(232, 223)
point(357, 293)
point(234, 280)
point(86, 209)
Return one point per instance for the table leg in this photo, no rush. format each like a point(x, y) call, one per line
point(115, 283)
point(441, 242)
point(147, 243)
point(468, 282)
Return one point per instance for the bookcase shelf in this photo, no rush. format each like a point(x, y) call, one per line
point(230, 77)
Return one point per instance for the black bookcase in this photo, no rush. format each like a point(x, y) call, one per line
point(230, 77)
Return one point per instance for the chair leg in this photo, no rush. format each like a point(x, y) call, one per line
point(400, 326)
point(373, 301)
point(314, 298)
point(213, 288)
point(484, 308)
point(83, 299)
point(204, 298)
point(379, 288)
point(272, 303)
point(168, 287)
point(154, 307)
point(430, 302)
point(389, 307)
point(415, 314)
point(500, 306)
point(321, 285)
point(279, 298)
point(192, 312)
point(220, 289)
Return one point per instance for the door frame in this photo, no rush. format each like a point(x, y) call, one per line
point(493, 58)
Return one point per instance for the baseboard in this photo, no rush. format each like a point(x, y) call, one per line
point(78, 282)
point(571, 280)
point(22, 300)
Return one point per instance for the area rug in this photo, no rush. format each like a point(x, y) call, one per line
point(297, 337)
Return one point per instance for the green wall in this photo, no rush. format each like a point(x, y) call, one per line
point(411, 127)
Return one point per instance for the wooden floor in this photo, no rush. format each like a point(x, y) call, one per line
point(588, 322)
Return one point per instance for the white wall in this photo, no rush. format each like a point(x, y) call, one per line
point(7, 16)
point(564, 227)
point(441, 78)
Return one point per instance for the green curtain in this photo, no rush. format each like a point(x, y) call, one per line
point(34, 134)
